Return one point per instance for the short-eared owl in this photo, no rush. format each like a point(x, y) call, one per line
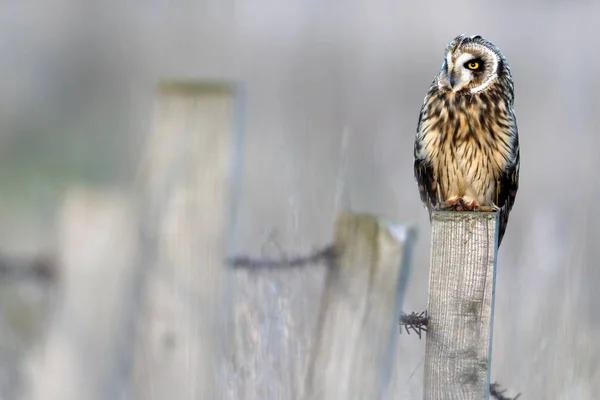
point(467, 147)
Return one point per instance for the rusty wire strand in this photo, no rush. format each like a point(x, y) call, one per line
point(42, 267)
point(325, 254)
point(416, 322)
point(498, 393)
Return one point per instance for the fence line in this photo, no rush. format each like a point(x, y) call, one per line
point(148, 308)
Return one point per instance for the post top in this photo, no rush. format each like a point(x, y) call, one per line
point(195, 87)
point(463, 215)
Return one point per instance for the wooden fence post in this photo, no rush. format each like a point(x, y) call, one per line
point(83, 357)
point(358, 322)
point(185, 180)
point(461, 304)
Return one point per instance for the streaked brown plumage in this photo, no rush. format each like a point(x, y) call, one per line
point(467, 146)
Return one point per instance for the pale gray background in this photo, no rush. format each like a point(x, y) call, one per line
point(332, 95)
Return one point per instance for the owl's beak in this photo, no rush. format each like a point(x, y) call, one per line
point(452, 79)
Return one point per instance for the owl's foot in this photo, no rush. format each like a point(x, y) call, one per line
point(445, 207)
point(473, 205)
point(448, 205)
point(469, 205)
point(462, 204)
point(487, 209)
point(453, 204)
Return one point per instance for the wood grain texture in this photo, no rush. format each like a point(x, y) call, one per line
point(358, 324)
point(461, 305)
point(184, 184)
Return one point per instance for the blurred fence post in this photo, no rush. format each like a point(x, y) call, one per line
point(81, 358)
point(461, 305)
point(358, 323)
point(184, 182)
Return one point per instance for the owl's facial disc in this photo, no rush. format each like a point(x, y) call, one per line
point(467, 69)
point(472, 68)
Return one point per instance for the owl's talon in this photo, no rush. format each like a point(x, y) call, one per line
point(460, 205)
point(472, 205)
point(488, 209)
point(452, 204)
point(446, 206)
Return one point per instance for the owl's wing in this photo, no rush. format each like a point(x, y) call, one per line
point(424, 174)
point(507, 186)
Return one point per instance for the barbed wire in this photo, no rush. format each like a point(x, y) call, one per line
point(416, 322)
point(325, 254)
point(498, 394)
point(41, 267)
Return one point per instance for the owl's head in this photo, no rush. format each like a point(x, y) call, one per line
point(471, 64)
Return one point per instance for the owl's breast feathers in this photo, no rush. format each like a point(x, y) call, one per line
point(467, 147)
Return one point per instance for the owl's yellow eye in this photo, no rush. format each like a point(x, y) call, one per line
point(473, 65)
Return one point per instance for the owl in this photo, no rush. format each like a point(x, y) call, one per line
point(466, 153)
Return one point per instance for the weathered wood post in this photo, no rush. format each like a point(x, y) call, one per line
point(358, 321)
point(85, 354)
point(184, 182)
point(461, 305)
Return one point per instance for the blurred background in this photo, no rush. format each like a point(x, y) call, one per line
point(332, 93)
